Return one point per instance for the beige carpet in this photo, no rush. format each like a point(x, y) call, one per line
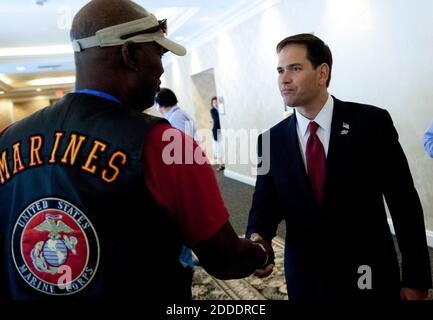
point(206, 287)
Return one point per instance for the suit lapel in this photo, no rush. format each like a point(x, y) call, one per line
point(293, 160)
point(338, 145)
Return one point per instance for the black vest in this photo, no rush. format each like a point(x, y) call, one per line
point(76, 217)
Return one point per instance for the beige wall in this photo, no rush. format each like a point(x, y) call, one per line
point(6, 113)
point(14, 111)
point(23, 109)
point(382, 56)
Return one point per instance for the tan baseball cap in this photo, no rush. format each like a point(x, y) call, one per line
point(146, 29)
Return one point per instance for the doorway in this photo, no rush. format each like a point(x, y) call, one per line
point(203, 89)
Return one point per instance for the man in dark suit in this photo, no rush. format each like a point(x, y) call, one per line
point(325, 172)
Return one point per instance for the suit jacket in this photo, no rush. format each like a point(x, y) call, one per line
point(327, 247)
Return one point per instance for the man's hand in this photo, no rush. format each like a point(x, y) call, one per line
point(263, 273)
point(269, 266)
point(413, 294)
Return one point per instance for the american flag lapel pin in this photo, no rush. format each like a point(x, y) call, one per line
point(345, 130)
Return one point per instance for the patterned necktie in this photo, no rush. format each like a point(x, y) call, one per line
point(316, 162)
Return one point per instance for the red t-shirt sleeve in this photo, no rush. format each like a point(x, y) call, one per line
point(180, 178)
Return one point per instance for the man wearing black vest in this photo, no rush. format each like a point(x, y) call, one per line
point(91, 204)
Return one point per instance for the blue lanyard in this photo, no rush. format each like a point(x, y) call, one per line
point(99, 94)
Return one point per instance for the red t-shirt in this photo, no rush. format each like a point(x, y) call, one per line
point(181, 179)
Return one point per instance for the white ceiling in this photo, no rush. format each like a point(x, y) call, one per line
point(41, 32)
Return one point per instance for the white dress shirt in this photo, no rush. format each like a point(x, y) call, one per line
point(179, 119)
point(323, 119)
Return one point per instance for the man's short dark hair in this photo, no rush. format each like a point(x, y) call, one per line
point(317, 51)
point(166, 98)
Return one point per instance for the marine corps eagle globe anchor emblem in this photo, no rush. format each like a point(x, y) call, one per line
point(55, 249)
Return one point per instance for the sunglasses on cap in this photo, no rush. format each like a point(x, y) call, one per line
point(162, 25)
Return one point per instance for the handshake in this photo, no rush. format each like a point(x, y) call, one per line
point(268, 266)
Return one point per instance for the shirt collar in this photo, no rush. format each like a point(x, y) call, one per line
point(170, 112)
point(98, 93)
point(323, 118)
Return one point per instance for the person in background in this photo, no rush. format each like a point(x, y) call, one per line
point(428, 140)
point(90, 207)
point(179, 119)
point(331, 164)
point(217, 146)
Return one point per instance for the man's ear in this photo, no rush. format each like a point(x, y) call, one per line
point(324, 73)
point(130, 55)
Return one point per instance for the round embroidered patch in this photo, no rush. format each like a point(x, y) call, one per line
point(55, 247)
